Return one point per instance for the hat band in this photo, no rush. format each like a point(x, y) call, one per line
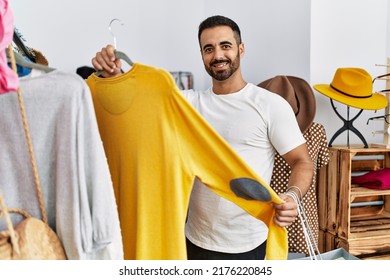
point(349, 94)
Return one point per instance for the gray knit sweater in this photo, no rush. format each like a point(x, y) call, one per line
point(72, 166)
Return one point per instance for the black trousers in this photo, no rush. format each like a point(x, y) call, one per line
point(197, 253)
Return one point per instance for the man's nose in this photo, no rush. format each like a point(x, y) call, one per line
point(218, 54)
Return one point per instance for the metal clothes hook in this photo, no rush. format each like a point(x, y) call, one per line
point(118, 54)
point(110, 29)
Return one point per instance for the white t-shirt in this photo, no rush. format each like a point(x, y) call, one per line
point(255, 122)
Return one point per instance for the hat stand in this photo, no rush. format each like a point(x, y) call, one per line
point(386, 140)
point(348, 126)
point(386, 131)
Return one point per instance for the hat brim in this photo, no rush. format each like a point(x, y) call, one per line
point(375, 102)
point(305, 95)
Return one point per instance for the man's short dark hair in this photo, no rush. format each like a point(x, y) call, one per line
point(214, 21)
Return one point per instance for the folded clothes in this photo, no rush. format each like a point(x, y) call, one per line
point(377, 179)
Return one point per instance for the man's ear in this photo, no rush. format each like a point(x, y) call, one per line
point(241, 49)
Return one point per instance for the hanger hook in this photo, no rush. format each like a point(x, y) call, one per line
point(110, 29)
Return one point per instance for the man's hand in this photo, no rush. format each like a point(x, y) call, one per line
point(106, 60)
point(287, 212)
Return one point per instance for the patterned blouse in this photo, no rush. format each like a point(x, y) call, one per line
point(316, 142)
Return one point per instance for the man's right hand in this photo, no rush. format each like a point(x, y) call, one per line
point(106, 60)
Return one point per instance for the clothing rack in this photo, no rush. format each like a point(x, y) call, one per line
point(183, 79)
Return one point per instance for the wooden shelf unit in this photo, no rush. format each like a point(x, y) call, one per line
point(350, 216)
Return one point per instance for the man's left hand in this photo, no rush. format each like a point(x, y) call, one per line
point(287, 212)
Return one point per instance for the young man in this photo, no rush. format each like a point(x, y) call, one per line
point(256, 123)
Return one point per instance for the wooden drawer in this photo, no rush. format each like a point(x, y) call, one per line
point(365, 246)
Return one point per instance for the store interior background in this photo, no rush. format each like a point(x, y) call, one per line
point(303, 38)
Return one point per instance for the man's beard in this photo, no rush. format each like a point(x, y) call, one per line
point(221, 75)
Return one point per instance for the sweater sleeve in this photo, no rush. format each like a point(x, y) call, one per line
point(225, 173)
point(99, 217)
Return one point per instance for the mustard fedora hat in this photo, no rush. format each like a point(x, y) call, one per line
point(353, 87)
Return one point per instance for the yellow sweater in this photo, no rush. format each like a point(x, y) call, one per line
point(156, 143)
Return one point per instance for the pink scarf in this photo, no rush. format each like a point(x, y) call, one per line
point(377, 179)
point(8, 78)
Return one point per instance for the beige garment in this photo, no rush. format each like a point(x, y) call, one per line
point(318, 149)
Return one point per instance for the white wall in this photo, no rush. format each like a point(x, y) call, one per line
point(164, 33)
point(68, 33)
point(304, 38)
point(348, 33)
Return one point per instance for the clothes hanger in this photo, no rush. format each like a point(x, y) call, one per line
point(21, 61)
point(118, 54)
